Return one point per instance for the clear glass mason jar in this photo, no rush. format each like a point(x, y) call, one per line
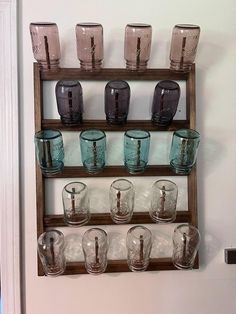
point(95, 246)
point(186, 241)
point(163, 201)
point(75, 199)
point(121, 200)
point(139, 245)
point(51, 252)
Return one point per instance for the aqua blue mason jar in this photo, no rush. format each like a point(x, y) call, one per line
point(183, 151)
point(93, 150)
point(49, 151)
point(136, 150)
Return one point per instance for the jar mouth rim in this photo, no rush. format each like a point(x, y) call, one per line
point(190, 134)
point(89, 24)
point(192, 26)
point(68, 83)
point(82, 185)
point(56, 133)
point(128, 187)
point(99, 136)
point(146, 134)
point(146, 232)
point(55, 234)
point(168, 189)
point(175, 85)
point(125, 84)
point(89, 231)
point(189, 229)
point(142, 25)
point(43, 23)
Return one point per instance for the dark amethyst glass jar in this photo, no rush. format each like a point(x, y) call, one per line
point(69, 101)
point(165, 102)
point(117, 97)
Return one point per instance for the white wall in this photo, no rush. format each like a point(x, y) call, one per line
point(210, 289)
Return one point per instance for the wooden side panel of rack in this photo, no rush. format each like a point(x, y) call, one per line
point(44, 221)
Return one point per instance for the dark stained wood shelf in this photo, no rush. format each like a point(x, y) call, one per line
point(105, 219)
point(112, 74)
point(103, 125)
point(45, 221)
point(114, 266)
point(114, 171)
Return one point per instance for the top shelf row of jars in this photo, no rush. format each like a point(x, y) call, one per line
point(137, 46)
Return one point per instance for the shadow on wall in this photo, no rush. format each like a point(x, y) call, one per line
point(211, 156)
point(209, 248)
point(211, 49)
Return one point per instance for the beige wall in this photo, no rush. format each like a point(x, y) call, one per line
point(210, 289)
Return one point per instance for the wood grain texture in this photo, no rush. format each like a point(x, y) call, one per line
point(39, 177)
point(115, 171)
point(192, 178)
point(191, 99)
point(38, 108)
point(103, 125)
point(105, 219)
point(112, 74)
point(115, 266)
point(192, 196)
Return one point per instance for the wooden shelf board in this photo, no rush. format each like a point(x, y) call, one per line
point(120, 266)
point(114, 171)
point(103, 125)
point(51, 221)
point(112, 74)
point(117, 266)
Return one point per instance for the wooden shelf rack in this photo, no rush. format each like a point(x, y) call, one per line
point(45, 221)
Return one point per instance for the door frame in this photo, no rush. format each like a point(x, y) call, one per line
point(9, 166)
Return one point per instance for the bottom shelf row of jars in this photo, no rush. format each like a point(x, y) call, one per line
point(139, 244)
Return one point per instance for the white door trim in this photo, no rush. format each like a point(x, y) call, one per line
point(9, 165)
